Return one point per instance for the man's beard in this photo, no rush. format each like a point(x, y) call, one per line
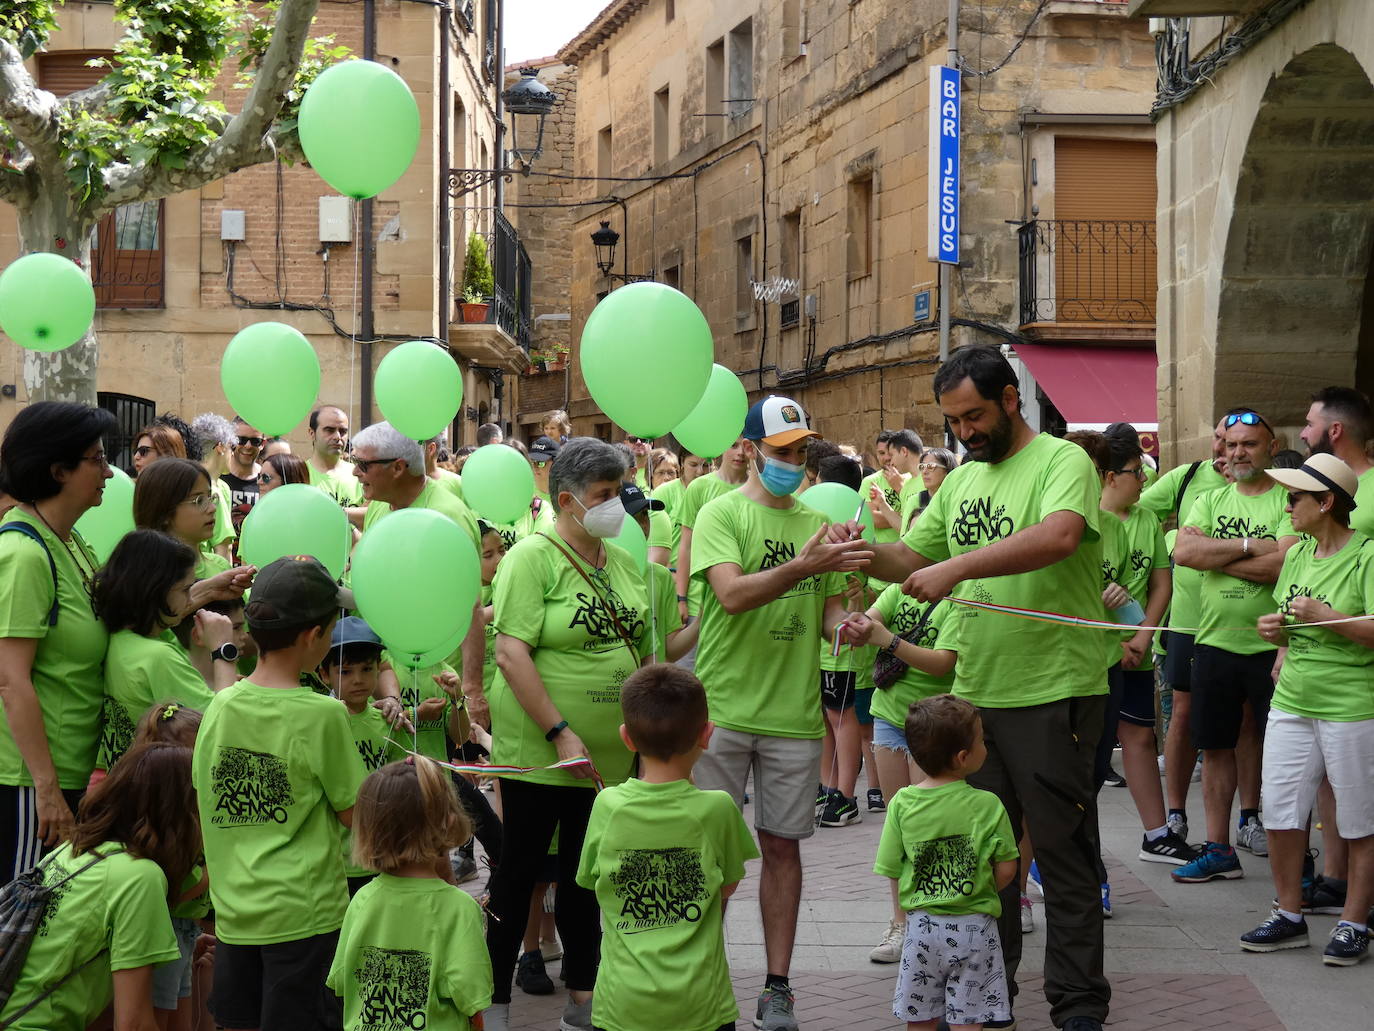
point(1322, 446)
point(993, 446)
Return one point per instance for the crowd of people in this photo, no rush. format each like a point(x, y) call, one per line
point(226, 793)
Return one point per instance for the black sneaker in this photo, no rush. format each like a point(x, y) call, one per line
point(1168, 849)
point(875, 801)
point(1278, 932)
point(1347, 947)
point(1078, 1024)
point(840, 811)
point(1114, 779)
point(530, 975)
point(822, 795)
point(1325, 898)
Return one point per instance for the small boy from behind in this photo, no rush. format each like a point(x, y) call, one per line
point(951, 849)
point(662, 856)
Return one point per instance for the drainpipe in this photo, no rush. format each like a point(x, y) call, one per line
point(443, 112)
point(366, 241)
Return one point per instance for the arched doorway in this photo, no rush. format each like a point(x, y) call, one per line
point(1296, 307)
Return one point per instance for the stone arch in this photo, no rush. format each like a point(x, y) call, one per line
point(1296, 304)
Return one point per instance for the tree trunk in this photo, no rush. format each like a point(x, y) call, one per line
point(48, 223)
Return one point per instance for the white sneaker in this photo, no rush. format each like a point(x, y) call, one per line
point(1252, 837)
point(889, 950)
point(496, 1017)
point(551, 950)
point(1027, 916)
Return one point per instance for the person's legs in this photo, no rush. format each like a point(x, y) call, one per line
point(1293, 768)
point(892, 767)
point(1348, 749)
point(1141, 770)
point(486, 828)
point(1179, 754)
point(1247, 757)
point(1218, 792)
point(1218, 704)
point(294, 996)
point(1335, 849)
point(780, 884)
point(575, 908)
point(844, 772)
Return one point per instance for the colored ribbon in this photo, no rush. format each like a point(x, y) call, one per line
point(1100, 624)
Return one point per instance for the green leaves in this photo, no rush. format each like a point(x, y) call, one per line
point(27, 24)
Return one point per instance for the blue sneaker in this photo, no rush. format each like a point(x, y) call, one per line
point(1034, 878)
point(1217, 861)
point(1106, 901)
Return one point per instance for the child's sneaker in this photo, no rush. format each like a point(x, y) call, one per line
point(840, 811)
point(1215, 862)
point(1027, 915)
point(774, 1012)
point(876, 804)
point(889, 950)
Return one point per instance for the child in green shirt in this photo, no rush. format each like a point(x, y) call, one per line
point(411, 952)
point(951, 849)
point(663, 856)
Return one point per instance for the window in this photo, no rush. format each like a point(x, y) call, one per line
point(662, 100)
point(131, 415)
point(606, 61)
point(603, 153)
point(791, 30)
point(601, 431)
point(741, 84)
point(859, 228)
point(715, 82)
point(669, 11)
point(744, 277)
point(459, 140)
point(791, 266)
point(672, 276)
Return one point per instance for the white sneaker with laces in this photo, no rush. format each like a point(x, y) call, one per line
point(889, 950)
point(1027, 915)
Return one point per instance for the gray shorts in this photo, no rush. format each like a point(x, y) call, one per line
point(786, 771)
point(172, 980)
point(951, 968)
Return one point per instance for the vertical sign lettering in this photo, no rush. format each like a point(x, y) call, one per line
point(943, 202)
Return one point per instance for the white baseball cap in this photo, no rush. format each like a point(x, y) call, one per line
point(778, 421)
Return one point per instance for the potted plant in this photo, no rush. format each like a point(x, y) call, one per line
point(557, 356)
point(478, 281)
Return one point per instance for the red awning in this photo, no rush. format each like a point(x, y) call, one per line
point(1095, 386)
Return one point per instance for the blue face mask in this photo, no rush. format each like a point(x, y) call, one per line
point(780, 478)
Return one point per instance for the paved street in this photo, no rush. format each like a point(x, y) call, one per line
point(1172, 954)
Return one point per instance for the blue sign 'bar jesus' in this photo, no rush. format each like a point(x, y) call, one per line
point(944, 165)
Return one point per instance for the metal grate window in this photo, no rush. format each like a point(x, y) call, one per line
point(131, 415)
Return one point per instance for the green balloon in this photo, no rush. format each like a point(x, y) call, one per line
point(46, 302)
point(270, 376)
point(715, 423)
point(435, 655)
point(296, 519)
point(419, 389)
point(415, 576)
point(105, 525)
point(643, 333)
point(632, 539)
point(359, 127)
point(498, 483)
point(839, 504)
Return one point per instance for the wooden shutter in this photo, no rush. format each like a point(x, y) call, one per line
point(1104, 230)
point(66, 71)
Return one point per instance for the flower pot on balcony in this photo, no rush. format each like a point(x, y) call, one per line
point(558, 364)
point(474, 312)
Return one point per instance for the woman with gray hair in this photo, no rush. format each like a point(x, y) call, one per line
point(570, 610)
point(216, 437)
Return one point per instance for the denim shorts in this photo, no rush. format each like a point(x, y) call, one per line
point(885, 735)
point(172, 980)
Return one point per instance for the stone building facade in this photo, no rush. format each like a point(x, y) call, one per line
point(1266, 208)
point(770, 159)
point(162, 335)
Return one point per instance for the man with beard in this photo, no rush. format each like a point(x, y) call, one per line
point(1018, 525)
point(1237, 536)
point(1340, 422)
point(328, 445)
point(242, 475)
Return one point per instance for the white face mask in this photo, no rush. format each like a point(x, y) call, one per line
point(604, 520)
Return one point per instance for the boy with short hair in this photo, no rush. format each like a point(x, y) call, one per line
point(276, 772)
point(951, 848)
point(662, 857)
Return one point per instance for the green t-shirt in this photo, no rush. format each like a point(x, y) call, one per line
point(489, 651)
point(141, 672)
point(1007, 661)
point(1114, 558)
point(224, 526)
point(1144, 553)
point(538, 519)
point(910, 500)
point(272, 766)
point(902, 614)
point(435, 498)
point(339, 483)
point(851, 660)
point(1161, 497)
point(113, 915)
point(543, 600)
point(67, 673)
point(1362, 519)
point(698, 493)
point(1326, 676)
point(892, 497)
point(209, 564)
point(657, 856)
point(411, 954)
point(417, 685)
point(1228, 601)
point(761, 667)
point(663, 614)
point(372, 738)
point(940, 844)
point(660, 530)
point(671, 494)
point(451, 482)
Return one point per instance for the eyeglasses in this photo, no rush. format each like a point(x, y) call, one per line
point(364, 464)
point(927, 466)
point(264, 478)
point(200, 501)
point(1247, 419)
point(144, 451)
point(1138, 472)
point(250, 442)
point(99, 458)
point(1293, 496)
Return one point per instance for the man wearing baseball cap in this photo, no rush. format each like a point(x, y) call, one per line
point(775, 591)
point(276, 771)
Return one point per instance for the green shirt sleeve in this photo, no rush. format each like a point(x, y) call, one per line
point(1072, 485)
point(929, 535)
point(138, 923)
point(335, 758)
point(464, 974)
point(588, 869)
point(737, 844)
point(714, 542)
point(518, 591)
point(660, 530)
point(1159, 497)
point(26, 587)
point(890, 859)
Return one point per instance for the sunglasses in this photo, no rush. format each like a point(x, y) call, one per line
point(363, 465)
point(264, 477)
point(1247, 419)
point(635, 440)
point(144, 451)
point(1293, 496)
point(250, 442)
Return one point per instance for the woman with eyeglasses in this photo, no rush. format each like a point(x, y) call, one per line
point(175, 497)
point(52, 646)
point(279, 469)
point(1321, 718)
point(155, 441)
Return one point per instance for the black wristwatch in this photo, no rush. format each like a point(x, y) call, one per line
point(226, 653)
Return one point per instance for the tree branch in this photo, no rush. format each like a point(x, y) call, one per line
point(29, 112)
point(242, 142)
point(92, 98)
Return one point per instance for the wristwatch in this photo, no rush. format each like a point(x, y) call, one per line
point(226, 653)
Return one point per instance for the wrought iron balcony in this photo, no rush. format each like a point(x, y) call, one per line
point(1088, 271)
point(510, 263)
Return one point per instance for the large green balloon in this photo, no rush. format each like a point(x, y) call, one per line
point(838, 504)
point(498, 483)
point(715, 423)
point(646, 356)
point(105, 525)
point(270, 376)
point(415, 576)
point(632, 539)
point(46, 302)
point(419, 389)
point(435, 655)
point(359, 127)
point(296, 519)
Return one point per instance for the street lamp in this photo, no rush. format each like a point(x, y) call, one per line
point(604, 240)
point(529, 102)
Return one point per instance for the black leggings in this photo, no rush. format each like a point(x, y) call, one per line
point(532, 811)
point(486, 828)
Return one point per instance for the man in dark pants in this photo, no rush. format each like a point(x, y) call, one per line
point(1017, 525)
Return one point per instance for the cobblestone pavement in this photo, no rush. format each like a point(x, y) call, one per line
point(1172, 952)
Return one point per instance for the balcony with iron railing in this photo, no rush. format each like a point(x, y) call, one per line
point(1084, 279)
point(503, 339)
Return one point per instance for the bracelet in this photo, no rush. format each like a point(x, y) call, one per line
point(556, 729)
point(1245, 545)
point(682, 597)
point(891, 647)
